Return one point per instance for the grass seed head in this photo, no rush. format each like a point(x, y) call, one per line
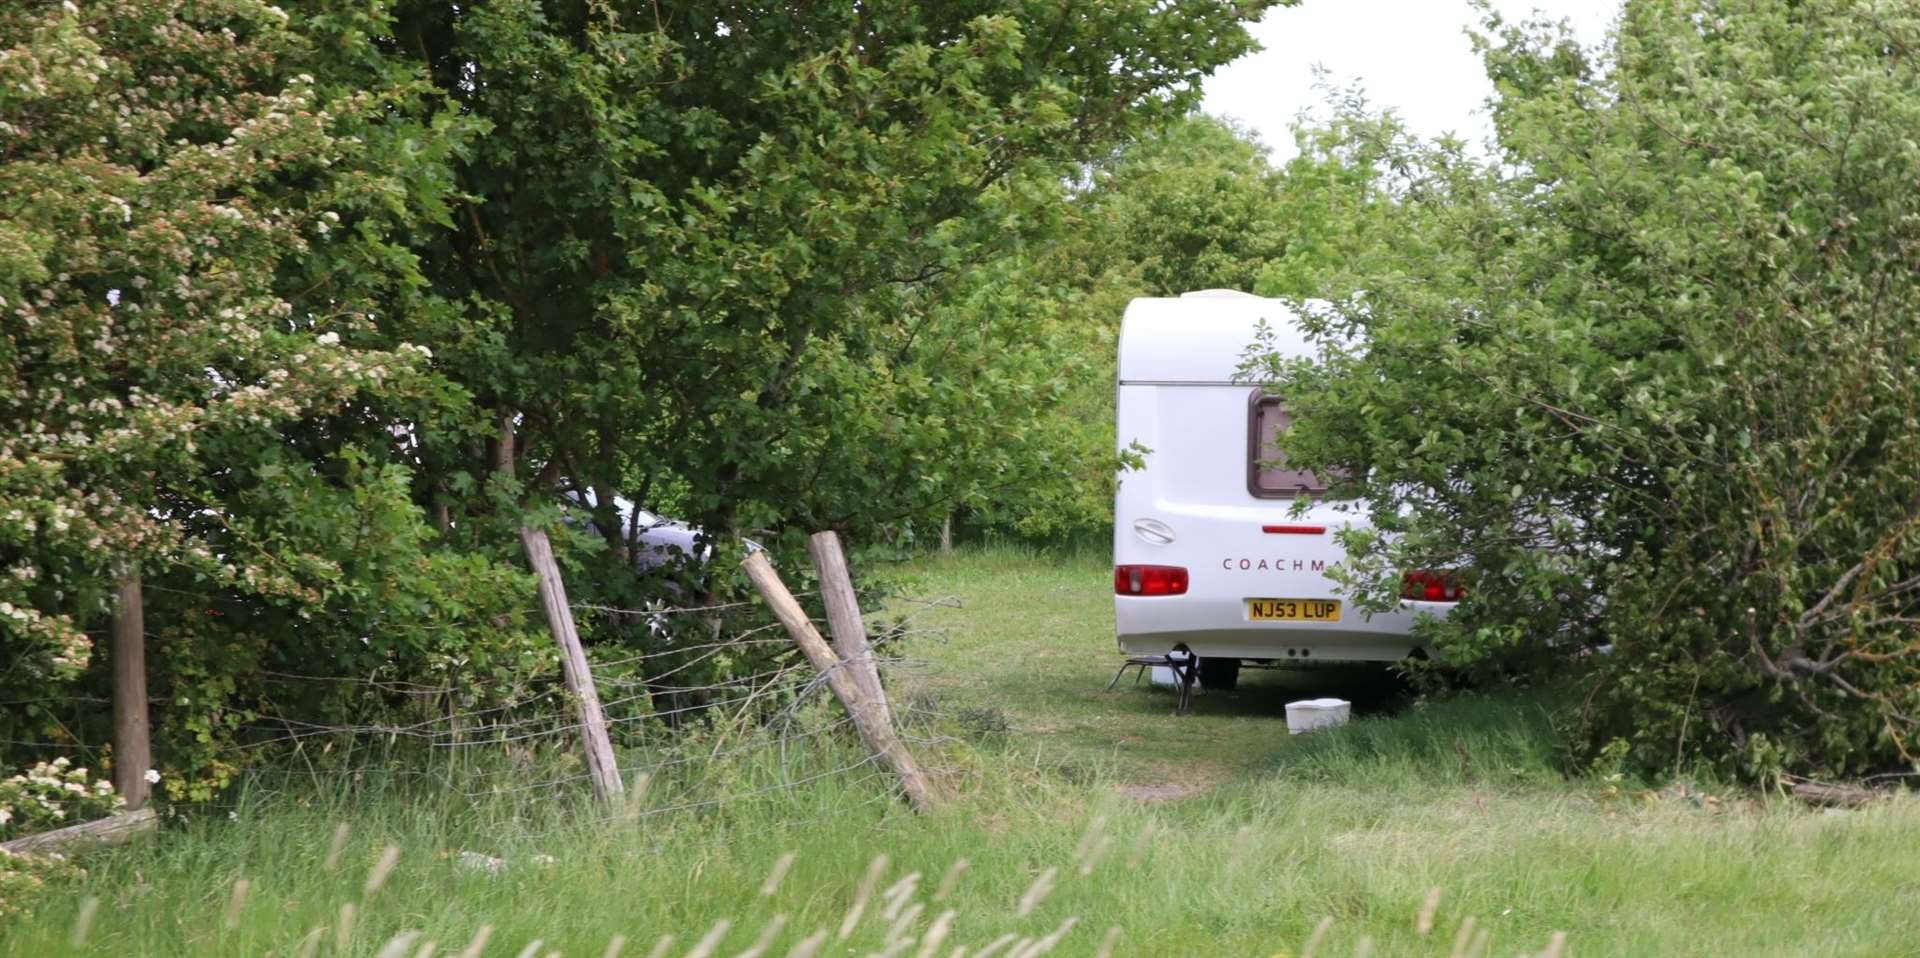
point(951, 879)
point(382, 867)
point(767, 936)
point(1424, 924)
point(235, 903)
point(898, 930)
point(1093, 857)
point(708, 943)
point(993, 947)
point(661, 947)
point(533, 948)
point(1556, 945)
point(343, 932)
point(1096, 830)
point(1462, 938)
point(898, 895)
point(936, 935)
point(1036, 893)
point(807, 947)
point(614, 946)
point(1053, 938)
point(1108, 943)
point(310, 945)
point(83, 921)
point(1142, 843)
point(399, 944)
point(777, 874)
point(875, 869)
point(635, 800)
point(1237, 850)
point(1318, 935)
point(338, 845)
point(479, 942)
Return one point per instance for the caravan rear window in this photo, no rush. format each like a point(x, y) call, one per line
point(1267, 474)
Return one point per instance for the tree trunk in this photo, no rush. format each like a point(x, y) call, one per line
point(127, 654)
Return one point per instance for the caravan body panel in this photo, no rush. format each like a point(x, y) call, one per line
point(1201, 503)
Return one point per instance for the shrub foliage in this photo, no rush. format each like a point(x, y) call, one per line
point(1652, 375)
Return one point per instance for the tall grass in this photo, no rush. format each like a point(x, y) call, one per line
point(1443, 829)
point(1356, 831)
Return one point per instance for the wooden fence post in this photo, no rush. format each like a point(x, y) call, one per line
point(127, 655)
point(601, 766)
point(877, 735)
point(843, 618)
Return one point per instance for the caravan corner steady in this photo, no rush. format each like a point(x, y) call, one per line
point(1208, 555)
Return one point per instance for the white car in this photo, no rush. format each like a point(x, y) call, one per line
point(657, 541)
point(661, 541)
point(1209, 557)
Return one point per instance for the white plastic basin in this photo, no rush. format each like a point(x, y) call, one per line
point(1309, 714)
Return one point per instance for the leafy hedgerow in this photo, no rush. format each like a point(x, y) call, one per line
point(1650, 379)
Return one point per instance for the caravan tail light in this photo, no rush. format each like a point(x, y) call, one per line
point(1431, 585)
point(1149, 580)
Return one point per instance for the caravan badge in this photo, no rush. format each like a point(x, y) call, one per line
point(1273, 565)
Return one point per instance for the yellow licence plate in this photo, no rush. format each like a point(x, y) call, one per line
point(1293, 610)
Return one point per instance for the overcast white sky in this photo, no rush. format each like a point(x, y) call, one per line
point(1411, 55)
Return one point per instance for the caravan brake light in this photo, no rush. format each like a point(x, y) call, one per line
point(1431, 585)
point(1149, 580)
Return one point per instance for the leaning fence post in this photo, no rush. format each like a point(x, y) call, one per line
point(601, 766)
point(843, 618)
point(574, 669)
point(876, 733)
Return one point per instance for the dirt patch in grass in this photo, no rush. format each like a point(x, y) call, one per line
point(1161, 791)
point(1174, 784)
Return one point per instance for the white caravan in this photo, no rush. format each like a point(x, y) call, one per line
point(1209, 558)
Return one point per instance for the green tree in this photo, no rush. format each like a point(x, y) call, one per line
point(696, 257)
point(705, 249)
point(1197, 205)
point(1650, 376)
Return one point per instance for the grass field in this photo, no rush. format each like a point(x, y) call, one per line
point(1213, 833)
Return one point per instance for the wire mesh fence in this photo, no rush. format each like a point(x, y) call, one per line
point(699, 719)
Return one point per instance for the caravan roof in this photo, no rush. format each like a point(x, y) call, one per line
point(1201, 337)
